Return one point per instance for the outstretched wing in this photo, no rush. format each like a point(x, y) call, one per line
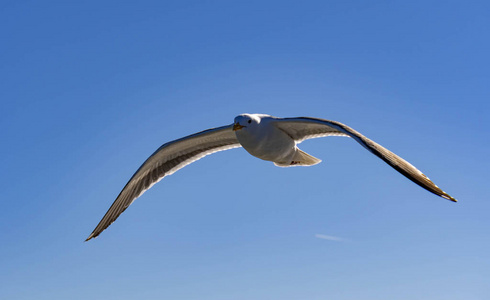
point(169, 158)
point(305, 128)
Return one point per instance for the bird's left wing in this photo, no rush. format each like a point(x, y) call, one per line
point(169, 158)
point(305, 128)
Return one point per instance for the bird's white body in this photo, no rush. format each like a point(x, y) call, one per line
point(263, 140)
point(263, 136)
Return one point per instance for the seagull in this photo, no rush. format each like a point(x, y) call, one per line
point(263, 136)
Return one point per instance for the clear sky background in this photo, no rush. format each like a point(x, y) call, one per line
point(90, 89)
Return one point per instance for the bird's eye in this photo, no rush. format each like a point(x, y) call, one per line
point(249, 121)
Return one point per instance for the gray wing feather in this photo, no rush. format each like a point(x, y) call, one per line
point(166, 160)
point(301, 129)
point(304, 128)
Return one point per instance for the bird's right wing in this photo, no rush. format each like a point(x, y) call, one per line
point(305, 128)
point(169, 158)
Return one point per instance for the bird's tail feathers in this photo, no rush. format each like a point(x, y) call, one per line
point(300, 158)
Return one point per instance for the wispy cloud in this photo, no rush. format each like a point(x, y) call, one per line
point(330, 238)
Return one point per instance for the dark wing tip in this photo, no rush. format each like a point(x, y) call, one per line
point(446, 196)
point(91, 236)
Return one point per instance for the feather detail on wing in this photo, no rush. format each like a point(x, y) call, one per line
point(166, 160)
point(301, 129)
point(305, 128)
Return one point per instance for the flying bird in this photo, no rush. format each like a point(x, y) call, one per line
point(263, 136)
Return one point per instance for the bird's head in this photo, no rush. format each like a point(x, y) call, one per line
point(245, 121)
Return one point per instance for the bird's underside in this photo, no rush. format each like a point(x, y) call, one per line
point(174, 155)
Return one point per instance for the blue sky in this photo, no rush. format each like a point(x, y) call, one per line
point(91, 89)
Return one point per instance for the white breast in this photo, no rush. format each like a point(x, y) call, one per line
point(266, 142)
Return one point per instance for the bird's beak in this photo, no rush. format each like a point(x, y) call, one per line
point(237, 126)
